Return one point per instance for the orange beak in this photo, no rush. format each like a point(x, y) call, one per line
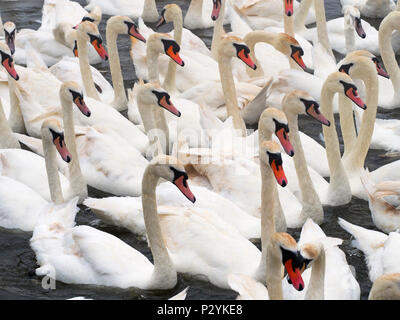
point(182, 185)
point(285, 142)
point(62, 149)
point(314, 112)
point(169, 106)
point(174, 56)
point(289, 7)
point(216, 9)
point(279, 173)
point(246, 59)
point(296, 56)
point(134, 33)
point(352, 94)
point(294, 275)
point(8, 64)
point(80, 103)
point(100, 49)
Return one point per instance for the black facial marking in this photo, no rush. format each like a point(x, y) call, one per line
point(178, 174)
point(160, 95)
point(275, 157)
point(168, 43)
point(348, 86)
point(309, 103)
point(297, 49)
point(57, 135)
point(279, 125)
point(87, 18)
point(345, 68)
point(240, 47)
point(93, 38)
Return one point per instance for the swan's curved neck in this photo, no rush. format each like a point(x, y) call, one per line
point(155, 126)
point(251, 40)
point(120, 99)
point(84, 66)
point(339, 187)
point(75, 177)
point(321, 25)
point(152, 64)
point(218, 31)
point(359, 149)
point(229, 90)
point(15, 118)
point(300, 15)
point(312, 207)
point(164, 275)
point(170, 77)
point(7, 139)
point(387, 54)
point(349, 39)
point(316, 285)
point(274, 274)
point(53, 177)
point(150, 13)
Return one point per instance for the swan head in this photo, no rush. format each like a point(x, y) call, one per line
point(290, 256)
point(346, 64)
point(217, 4)
point(274, 121)
point(352, 20)
point(386, 287)
point(124, 25)
point(300, 102)
point(172, 170)
point(153, 94)
point(232, 46)
point(289, 7)
point(270, 154)
point(310, 252)
point(342, 83)
point(9, 35)
point(7, 61)
point(71, 91)
point(291, 48)
point(164, 43)
point(52, 131)
point(94, 16)
point(169, 13)
point(91, 33)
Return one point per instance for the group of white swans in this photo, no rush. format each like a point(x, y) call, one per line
point(67, 117)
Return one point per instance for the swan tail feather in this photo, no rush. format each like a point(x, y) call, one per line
point(367, 182)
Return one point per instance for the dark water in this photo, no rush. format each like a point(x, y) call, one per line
point(17, 260)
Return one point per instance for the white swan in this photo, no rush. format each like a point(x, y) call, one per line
point(101, 258)
point(380, 250)
point(372, 8)
point(328, 276)
point(141, 8)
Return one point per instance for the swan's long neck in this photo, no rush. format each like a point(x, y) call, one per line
point(164, 275)
point(347, 127)
point(288, 28)
point(339, 187)
point(229, 90)
point(349, 38)
point(321, 25)
point(155, 126)
point(218, 31)
point(53, 177)
point(7, 138)
point(84, 66)
point(359, 149)
point(274, 274)
point(387, 54)
point(120, 100)
point(76, 179)
point(300, 15)
point(279, 217)
point(170, 77)
point(150, 13)
point(251, 40)
point(316, 285)
point(152, 64)
point(312, 207)
point(15, 118)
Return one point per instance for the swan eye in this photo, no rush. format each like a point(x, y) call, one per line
point(345, 68)
point(275, 157)
point(94, 38)
point(297, 49)
point(5, 56)
point(280, 125)
point(57, 135)
point(178, 174)
point(242, 49)
point(168, 44)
